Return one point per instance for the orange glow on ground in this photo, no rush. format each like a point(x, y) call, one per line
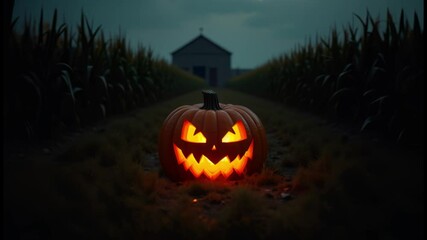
point(211, 170)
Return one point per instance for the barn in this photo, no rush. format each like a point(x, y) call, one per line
point(204, 58)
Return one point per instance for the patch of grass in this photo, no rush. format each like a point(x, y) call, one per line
point(267, 178)
point(197, 190)
point(147, 183)
point(297, 219)
point(313, 176)
point(288, 162)
point(215, 198)
point(243, 217)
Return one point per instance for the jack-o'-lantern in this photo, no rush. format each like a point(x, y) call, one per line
point(212, 140)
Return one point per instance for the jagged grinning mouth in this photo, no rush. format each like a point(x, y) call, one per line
point(210, 169)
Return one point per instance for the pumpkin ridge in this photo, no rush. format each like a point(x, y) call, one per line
point(248, 114)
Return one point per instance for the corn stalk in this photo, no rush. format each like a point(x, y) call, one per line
point(373, 79)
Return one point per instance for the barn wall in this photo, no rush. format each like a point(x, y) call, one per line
point(220, 61)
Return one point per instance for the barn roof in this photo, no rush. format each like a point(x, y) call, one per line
point(198, 38)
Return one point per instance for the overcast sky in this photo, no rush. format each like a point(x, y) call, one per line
point(255, 31)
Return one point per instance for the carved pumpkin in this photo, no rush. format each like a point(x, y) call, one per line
point(213, 141)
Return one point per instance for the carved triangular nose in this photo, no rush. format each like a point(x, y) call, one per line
point(213, 148)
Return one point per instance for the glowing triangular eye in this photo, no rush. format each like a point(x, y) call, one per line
point(238, 135)
point(188, 133)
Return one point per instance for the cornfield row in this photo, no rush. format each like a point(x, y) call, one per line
point(373, 79)
point(57, 79)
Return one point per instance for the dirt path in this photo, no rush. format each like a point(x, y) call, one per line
point(107, 177)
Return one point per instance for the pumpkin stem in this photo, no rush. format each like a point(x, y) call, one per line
point(210, 100)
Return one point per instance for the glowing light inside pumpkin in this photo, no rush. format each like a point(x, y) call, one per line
point(211, 170)
point(238, 135)
point(189, 133)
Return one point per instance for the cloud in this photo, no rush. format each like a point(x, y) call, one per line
point(299, 19)
point(168, 14)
